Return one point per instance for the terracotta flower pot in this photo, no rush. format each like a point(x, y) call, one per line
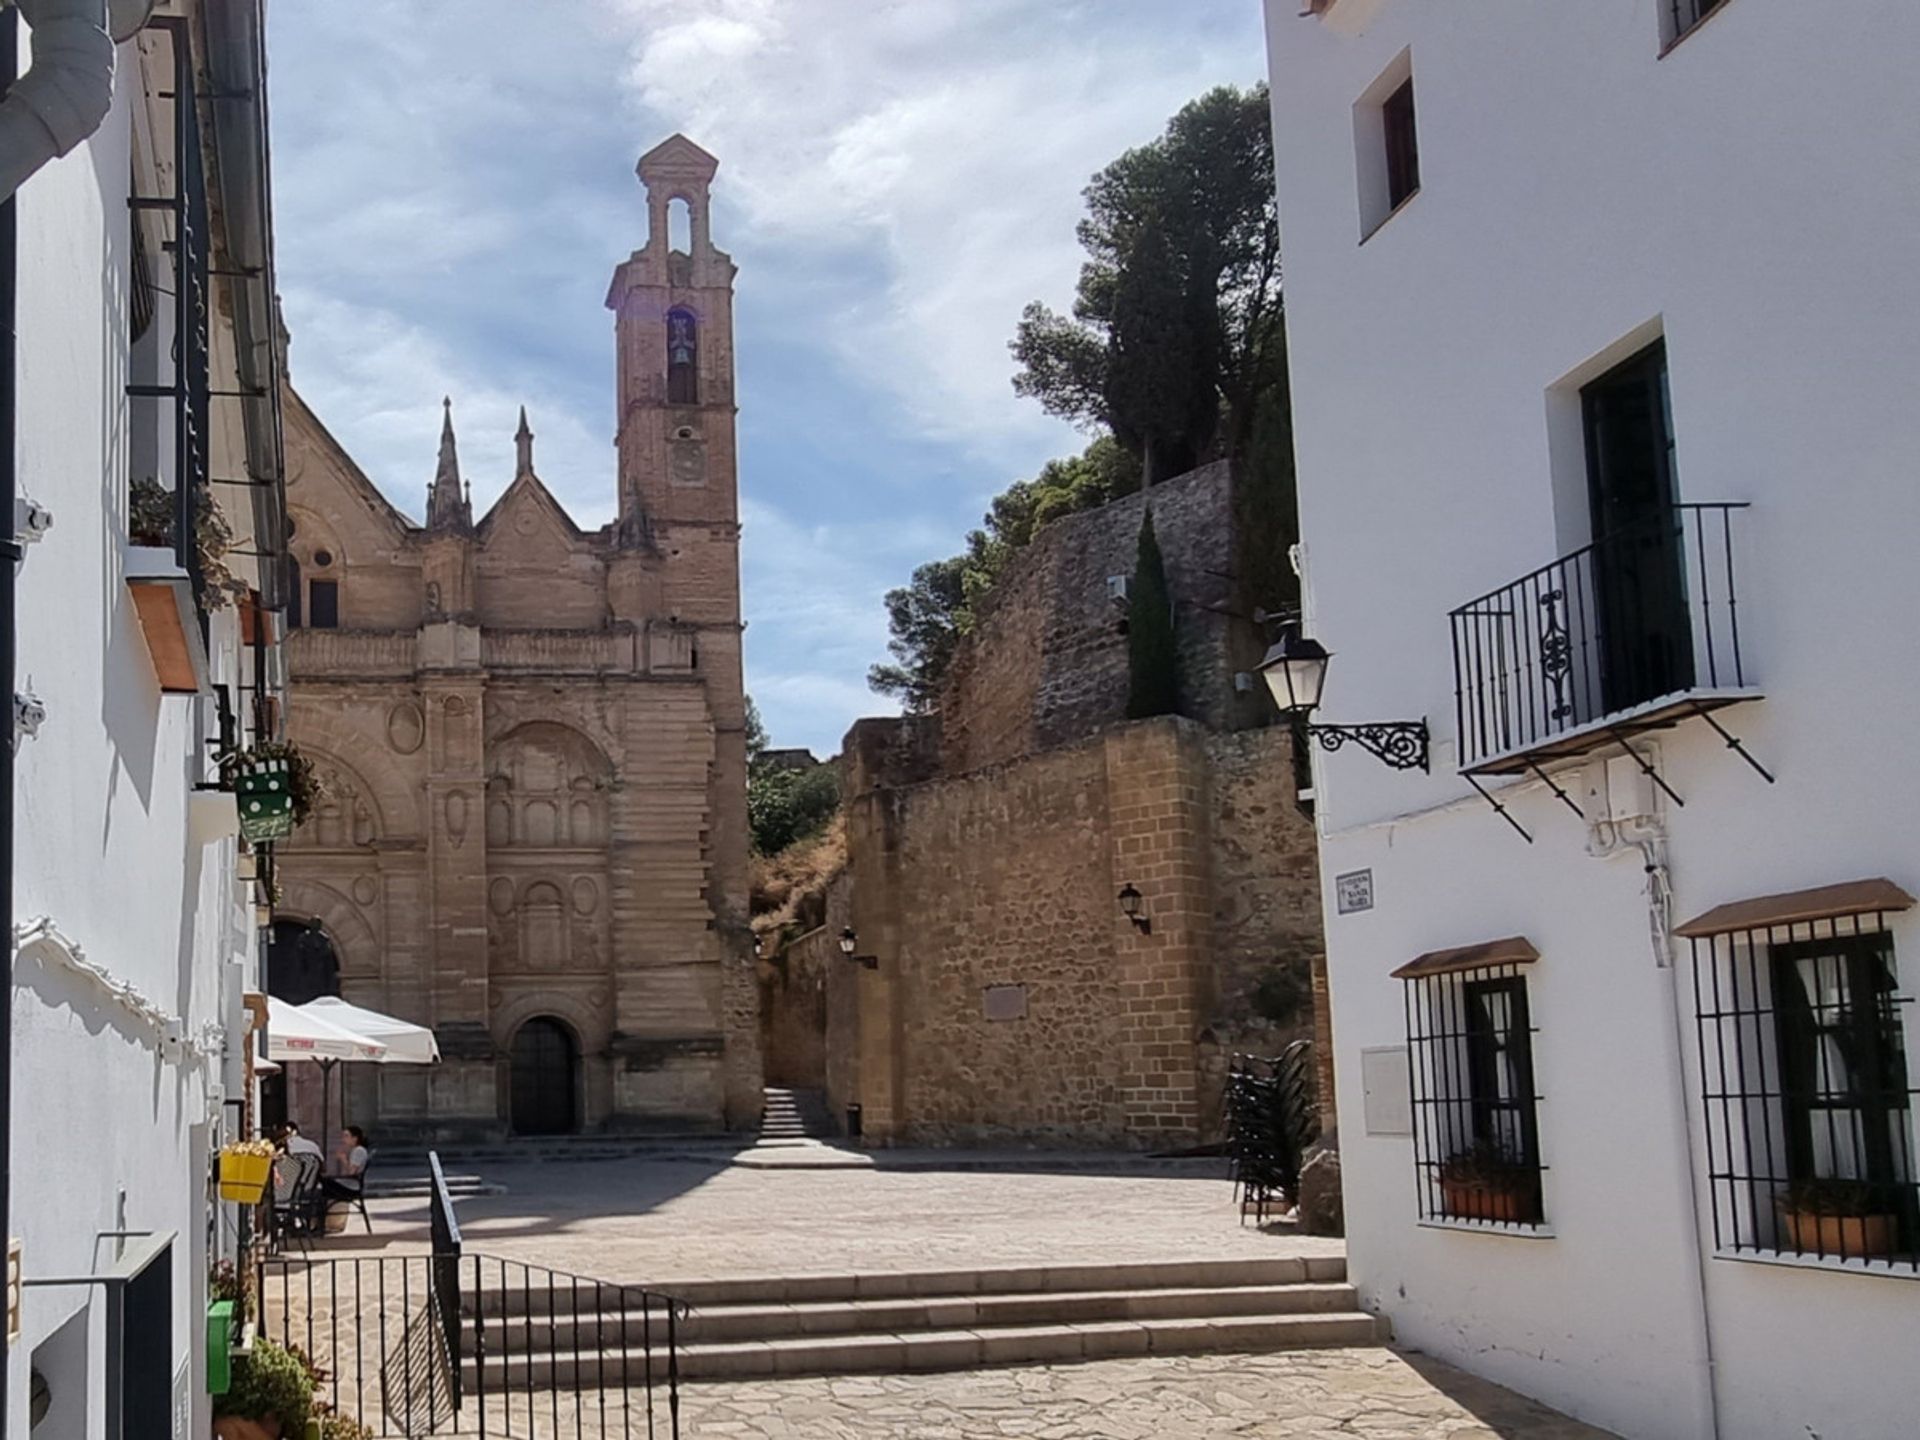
point(238, 1427)
point(1857, 1237)
point(1464, 1201)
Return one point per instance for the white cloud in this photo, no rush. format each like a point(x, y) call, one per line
point(948, 137)
point(389, 375)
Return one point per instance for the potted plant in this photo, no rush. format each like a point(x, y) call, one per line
point(245, 1168)
point(1483, 1182)
point(150, 523)
point(275, 786)
point(1828, 1216)
point(270, 1396)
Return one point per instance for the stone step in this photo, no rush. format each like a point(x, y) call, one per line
point(703, 1295)
point(953, 1349)
point(613, 1328)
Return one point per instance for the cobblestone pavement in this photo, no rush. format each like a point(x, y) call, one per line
point(1370, 1393)
point(654, 1221)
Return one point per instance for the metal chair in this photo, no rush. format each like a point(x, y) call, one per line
point(294, 1212)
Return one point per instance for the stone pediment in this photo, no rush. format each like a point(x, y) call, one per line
point(527, 519)
point(677, 158)
point(322, 478)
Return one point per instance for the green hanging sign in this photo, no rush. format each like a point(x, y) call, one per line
point(264, 791)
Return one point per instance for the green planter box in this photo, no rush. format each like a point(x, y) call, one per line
point(220, 1339)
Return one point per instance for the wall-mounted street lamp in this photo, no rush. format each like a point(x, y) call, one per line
point(1130, 904)
point(1296, 671)
point(849, 942)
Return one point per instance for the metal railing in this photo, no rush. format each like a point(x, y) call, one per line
point(452, 1342)
point(1646, 612)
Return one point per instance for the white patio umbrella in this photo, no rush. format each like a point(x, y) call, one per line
point(406, 1042)
point(294, 1032)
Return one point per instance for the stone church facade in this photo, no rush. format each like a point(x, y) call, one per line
point(534, 832)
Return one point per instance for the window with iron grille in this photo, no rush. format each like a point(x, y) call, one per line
point(1804, 1080)
point(1476, 1131)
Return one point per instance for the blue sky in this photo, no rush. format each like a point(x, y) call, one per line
point(454, 185)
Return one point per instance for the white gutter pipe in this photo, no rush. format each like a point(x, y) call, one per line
point(65, 92)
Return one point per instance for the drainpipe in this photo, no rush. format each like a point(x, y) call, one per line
point(64, 95)
point(9, 559)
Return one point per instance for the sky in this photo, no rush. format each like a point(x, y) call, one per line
point(454, 185)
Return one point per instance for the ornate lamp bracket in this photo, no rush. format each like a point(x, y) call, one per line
point(1401, 744)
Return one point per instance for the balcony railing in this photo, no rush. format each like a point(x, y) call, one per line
point(1636, 630)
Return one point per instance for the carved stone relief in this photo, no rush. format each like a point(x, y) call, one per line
point(406, 727)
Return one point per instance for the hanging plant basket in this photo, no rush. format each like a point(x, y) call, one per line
point(274, 787)
point(245, 1170)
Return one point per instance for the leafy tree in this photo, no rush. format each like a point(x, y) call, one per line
point(756, 734)
point(786, 804)
point(1152, 662)
point(927, 617)
point(1176, 335)
point(1175, 352)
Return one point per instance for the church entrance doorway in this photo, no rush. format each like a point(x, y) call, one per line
point(545, 1066)
point(301, 965)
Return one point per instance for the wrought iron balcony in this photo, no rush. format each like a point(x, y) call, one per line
point(1636, 631)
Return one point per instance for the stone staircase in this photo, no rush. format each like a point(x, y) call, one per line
point(888, 1323)
point(795, 1115)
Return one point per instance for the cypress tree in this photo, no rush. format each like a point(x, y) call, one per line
point(1152, 663)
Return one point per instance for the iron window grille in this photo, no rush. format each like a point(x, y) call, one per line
point(187, 386)
point(1476, 1132)
point(1804, 1082)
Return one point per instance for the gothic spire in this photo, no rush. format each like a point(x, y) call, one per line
point(447, 504)
point(523, 445)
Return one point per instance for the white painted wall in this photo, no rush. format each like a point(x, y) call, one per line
point(1751, 196)
point(101, 1108)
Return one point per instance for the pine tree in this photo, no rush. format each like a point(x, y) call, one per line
point(1152, 663)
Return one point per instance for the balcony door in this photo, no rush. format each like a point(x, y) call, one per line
point(1637, 578)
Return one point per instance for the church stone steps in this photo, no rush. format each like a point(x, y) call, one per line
point(845, 1324)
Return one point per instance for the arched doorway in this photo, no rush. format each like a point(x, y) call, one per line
point(302, 965)
point(545, 1067)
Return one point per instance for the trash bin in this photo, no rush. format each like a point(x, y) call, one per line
point(853, 1122)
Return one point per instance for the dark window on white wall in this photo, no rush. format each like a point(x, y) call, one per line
point(1386, 144)
point(1677, 17)
point(1403, 149)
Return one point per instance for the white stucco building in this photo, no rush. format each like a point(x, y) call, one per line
point(1603, 347)
point(145, 351)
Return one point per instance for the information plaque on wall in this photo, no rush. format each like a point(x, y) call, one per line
point(1353, 891)
point(1006, 1002)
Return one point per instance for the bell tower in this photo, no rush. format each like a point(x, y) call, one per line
point(675, 576)
point(673, 323)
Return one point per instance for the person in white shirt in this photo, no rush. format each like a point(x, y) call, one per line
point(298, 1144)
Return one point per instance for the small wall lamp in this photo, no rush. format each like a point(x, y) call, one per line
point(849, 941)
point(1130, 903)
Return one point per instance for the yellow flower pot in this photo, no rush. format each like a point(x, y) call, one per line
point(243, 1178)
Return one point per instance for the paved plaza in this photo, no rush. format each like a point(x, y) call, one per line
point(1309, 1393)
point(654, 1221)
point(718, 1216)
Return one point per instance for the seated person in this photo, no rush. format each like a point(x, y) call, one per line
point(295, 1143)
point(350, 1160)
